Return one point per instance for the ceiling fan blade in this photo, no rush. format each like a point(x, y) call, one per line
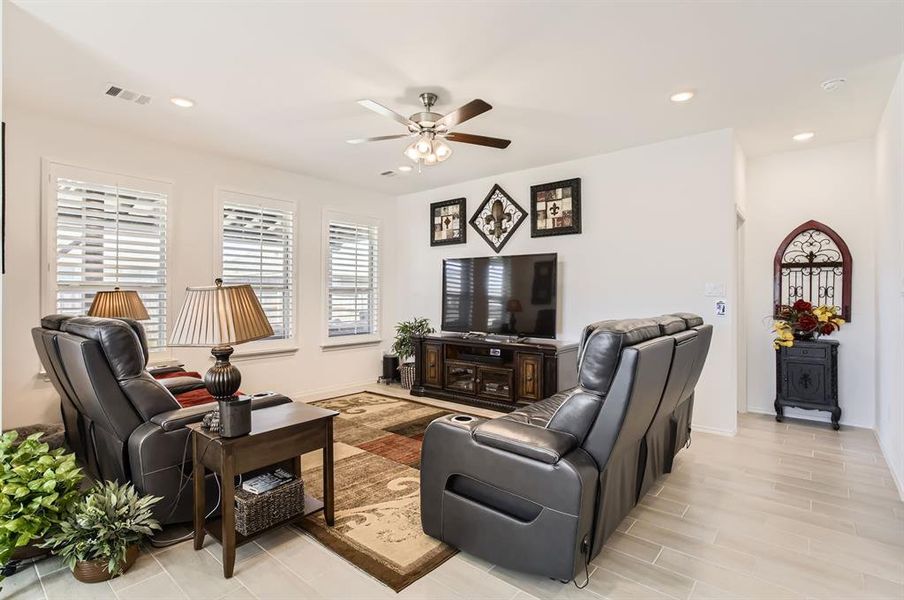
point(468, 111)
point(379, 138)
point(480, 140)
point(386, 112)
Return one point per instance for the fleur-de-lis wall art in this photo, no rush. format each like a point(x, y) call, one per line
point(497, 218)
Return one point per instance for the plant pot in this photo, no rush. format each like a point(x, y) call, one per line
point(407, 371)
point(95, 571)
point(30, 550)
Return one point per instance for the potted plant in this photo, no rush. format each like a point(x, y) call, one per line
point(404, 347)
point(98, 538)
point(803, 321)
point(36, 485)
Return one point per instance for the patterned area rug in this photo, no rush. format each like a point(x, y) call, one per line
point(377, 453)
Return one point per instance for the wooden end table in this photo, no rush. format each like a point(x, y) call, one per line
point(278, 433)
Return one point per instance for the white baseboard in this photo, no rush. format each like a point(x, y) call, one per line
point(816, 416)
point(886, 454)
point(330, 391)
point(715, 430)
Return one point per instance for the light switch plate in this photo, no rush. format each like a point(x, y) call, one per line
point(714, 290)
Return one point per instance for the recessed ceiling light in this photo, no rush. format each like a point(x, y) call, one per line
point(830, 85)
point(182, 102)
point(404, 168)
point(803, 136)
point(681, 96)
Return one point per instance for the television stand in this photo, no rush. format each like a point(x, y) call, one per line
point(499, 374)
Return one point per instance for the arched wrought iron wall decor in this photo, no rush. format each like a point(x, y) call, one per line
point(814, 264)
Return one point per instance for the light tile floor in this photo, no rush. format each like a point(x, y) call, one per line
point(791, 510)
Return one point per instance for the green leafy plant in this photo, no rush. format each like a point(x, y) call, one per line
point(36, 486)
point(405, 330)
point(103, 524)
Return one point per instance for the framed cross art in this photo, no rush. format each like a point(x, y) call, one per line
point(555, 208)
point(447, 222)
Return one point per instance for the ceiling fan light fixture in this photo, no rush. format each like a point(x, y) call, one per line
point(442, 150)
point(430, 159)
point(412, 153)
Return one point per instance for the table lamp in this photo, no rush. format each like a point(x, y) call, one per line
point(220, 316)
point(118, 304)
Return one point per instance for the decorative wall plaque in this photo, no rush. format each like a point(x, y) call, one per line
point(555, 208)
point(814, 264)
point(497, 218)
point(447, 222)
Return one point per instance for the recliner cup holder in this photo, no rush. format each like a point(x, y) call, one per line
point(462, 418)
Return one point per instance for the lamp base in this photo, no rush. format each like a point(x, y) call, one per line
point(235, 416)
point(222, 382)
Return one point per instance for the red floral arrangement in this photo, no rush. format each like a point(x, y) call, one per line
point(802, 320)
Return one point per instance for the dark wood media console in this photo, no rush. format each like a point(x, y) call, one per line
point(490, 373)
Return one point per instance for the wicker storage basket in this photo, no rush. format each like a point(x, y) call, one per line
point(407, 371)
point(254, 512)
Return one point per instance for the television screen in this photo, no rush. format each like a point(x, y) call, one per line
point(505, 295)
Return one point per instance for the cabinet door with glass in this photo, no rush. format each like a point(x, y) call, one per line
point(495, 383)
point(461, 377)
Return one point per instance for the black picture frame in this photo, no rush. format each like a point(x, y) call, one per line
point(571, 193)
point(436, 213)
point(512, 222)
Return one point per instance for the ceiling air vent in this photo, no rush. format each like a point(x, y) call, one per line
point(388, 173)
point(128, 95)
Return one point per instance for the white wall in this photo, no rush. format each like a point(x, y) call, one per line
point(192, 222)
point(833, 185)
point(2, 249)
point(658, 224)
point(890, 282)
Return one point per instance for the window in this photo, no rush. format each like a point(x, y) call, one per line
point(258, 242)
point(352, 279)
point(107, 231)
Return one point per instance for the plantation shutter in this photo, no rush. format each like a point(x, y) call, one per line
point(258, 243)
point(353, 288)
point(108, 235)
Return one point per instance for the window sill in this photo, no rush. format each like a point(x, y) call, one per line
point(253, 353)
point(332, 345)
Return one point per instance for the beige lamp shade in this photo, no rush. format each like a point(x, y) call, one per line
point(220, 315)
point(118, 304)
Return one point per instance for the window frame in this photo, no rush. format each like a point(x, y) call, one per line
point(51, 169)
point(328, 342)
point(223, 194)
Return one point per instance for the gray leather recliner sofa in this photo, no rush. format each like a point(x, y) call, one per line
point(541, 489)
point(123, 424)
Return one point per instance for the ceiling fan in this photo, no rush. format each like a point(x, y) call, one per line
point(431, 129)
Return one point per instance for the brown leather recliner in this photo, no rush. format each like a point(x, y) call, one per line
point(121, 422)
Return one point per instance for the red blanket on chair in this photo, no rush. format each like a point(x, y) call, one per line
point(193, 397)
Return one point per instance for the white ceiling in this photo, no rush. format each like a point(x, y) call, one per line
point(276, 83)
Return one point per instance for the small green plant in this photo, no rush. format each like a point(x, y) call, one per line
point(103, 524)
point(405, 331)
point(36, 486)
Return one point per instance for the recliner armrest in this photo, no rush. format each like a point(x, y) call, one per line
point(530, 441)
point(180, 417)
point(155, 371)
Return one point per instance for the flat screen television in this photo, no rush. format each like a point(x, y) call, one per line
point(501, 295)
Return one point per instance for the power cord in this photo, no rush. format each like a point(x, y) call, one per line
point(585, 549)
point(183, 481)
